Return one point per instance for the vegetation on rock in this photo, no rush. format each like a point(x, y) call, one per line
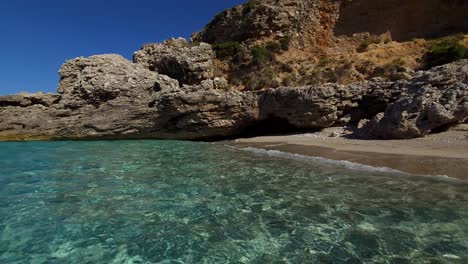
point(285, 42)
point(249, 6)
point(445, 51)
point(369, 41)
point(227, 50)
point(299, 34)
point(273, 46)
point(261, 54)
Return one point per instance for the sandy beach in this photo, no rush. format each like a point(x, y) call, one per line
point(437, 154)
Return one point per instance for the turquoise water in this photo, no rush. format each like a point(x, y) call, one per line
point(183, 202)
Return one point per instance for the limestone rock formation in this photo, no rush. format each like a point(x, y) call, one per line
point(204, 113)
point(251, 20)
point(310, 42)
point(432, 101)
point(404, 20)
point(311, 107)
point(198, 113)
point(109, 97)
point(317, 22)
point(379, 94)
point(103, 78)
point(26, 99)
point(100, 96)
point(189, 64)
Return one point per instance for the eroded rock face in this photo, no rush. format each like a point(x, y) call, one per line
point(109, 97)
point(175, 58)
point(208, 113)
point(379, 94)
point(26, 99)
point(204, 113)
point(100, 96)
point(417, 18)
point(104, 78)
point(251, 20)
point(311, 107)
point(431, 101)
point(315, 23)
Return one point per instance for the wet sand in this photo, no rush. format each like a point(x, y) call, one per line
point(439, 154)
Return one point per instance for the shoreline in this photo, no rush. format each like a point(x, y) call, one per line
point(443, 154)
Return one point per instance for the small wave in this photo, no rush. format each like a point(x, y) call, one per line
point(340, 163)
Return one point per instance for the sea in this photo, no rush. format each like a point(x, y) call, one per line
point(174, 202)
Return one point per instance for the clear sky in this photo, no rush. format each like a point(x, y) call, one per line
point(37, 36)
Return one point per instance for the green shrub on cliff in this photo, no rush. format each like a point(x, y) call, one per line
point(227, 49)
point(273, 46)
point(261, 54)
point(367, 42)
point(445, 51)
point(249, 6)
point(262, 77)
point(278, 46)
point(386, 70)
point(285, 42)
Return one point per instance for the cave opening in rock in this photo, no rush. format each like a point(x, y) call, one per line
point(271, 126)
point(174, 69)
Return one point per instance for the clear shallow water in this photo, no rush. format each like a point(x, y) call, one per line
point(182, 202)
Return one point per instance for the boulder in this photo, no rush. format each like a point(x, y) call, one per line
point(105, 78)
point(189, 64)
point(433, 100)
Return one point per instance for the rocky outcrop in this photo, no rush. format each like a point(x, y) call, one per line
point(249, 21)
point(403, 19)
point(99, 96)
point(204, 113)
point(311, 107)
point(100, 79)
point(189, 64)
point(25, 99)
point(311, 42)
point(107, 96)
point(209, 113)
point(315, 23)
point(431, 101)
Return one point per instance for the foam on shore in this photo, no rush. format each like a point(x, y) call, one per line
point(341, 163)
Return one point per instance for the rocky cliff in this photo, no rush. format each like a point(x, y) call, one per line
point(303, 42)
point(107, 96)
point(180, 90)
point(315, 23)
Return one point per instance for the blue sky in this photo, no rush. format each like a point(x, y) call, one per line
point(36, 37)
